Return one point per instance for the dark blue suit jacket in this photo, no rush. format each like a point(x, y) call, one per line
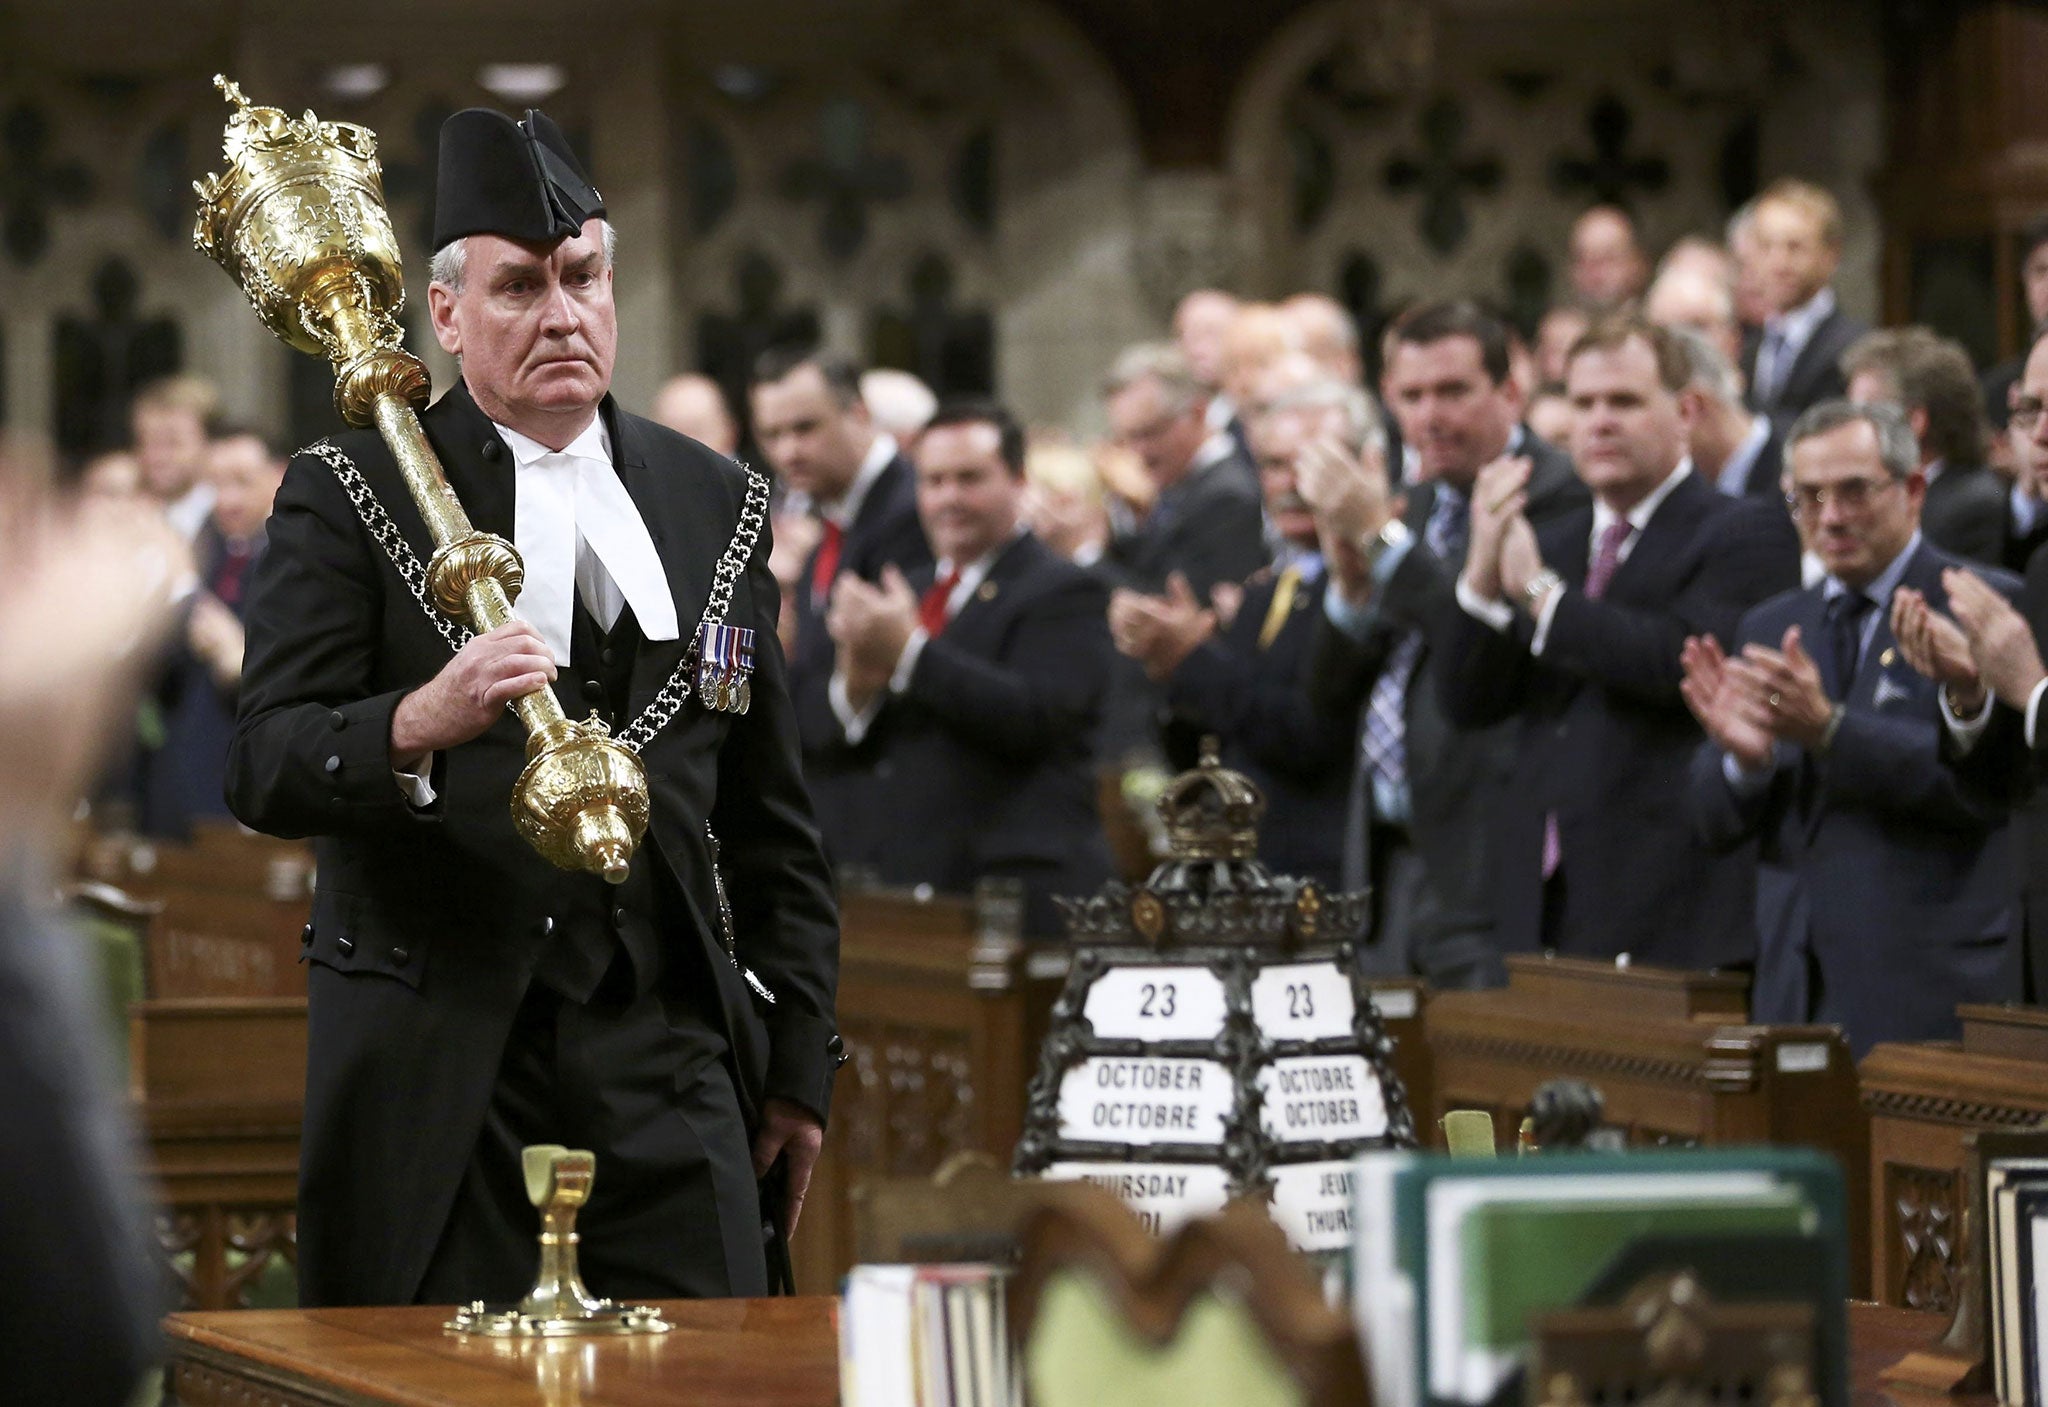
point(1892, 892)
point(1256, 701)
point(886, 532)
point(984, 765)
point(1605, 740)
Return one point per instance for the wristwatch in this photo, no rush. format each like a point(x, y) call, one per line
point(1540, 585)
point(1391, 534)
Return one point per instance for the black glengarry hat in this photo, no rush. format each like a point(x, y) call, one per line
point(519, 180)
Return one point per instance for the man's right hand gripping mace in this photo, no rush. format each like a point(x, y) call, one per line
point(298, 220)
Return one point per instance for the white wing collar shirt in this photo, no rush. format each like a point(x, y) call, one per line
point(578, 532)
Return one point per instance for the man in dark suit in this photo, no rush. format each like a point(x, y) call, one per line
point(195, 694)
point(1422, 793)
point(970, 691)
point(1243, 675)
point(1732, 446)
point(1892, 893)
point(1927, 378)
point(1992, 647)
point(1205, 522)
point(466, 998)
point(811, 422)
point(1574, 631)
point(1792, 361)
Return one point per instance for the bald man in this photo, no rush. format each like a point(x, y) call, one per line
point(1328, 334)
point(692, 404)
point(1684, 296)
point(1608, 264)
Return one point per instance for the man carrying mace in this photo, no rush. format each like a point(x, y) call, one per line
point(466, 998)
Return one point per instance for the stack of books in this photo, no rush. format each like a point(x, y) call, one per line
point(930, 1335)
point(1453, 1257)
point(2016, 1224)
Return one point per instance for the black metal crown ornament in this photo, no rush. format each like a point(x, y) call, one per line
point(1216, 1037)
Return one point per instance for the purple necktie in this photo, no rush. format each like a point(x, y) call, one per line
point(1606, 558)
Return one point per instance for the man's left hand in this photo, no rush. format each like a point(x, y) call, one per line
point(1790, 683)
point(1520, 561)
point(873, 623)
point(1160, 631)
point(2001, 641)
point(789, 1129)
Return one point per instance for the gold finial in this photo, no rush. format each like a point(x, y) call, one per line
point(231, 91)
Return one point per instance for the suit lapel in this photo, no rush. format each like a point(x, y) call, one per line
point(1812, 361)
point(478, 464)
point(677, 507)
point(981, 608)
point(1669, 528)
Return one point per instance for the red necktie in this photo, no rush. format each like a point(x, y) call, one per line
point(825, 562)
point(931, 609)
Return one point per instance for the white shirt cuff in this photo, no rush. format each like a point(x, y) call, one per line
point(1399, 539)
point(1497, 614)
point(415, 787)
point(1742, 781)
point(906, 663)
point(1545, 613)
point(1351, 620)
point(1964, 731)
point(856, 722)
point(2034, 712)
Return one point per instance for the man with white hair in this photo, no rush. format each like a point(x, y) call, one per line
point(1689, 297)
point(899, 403)
point(1731, 444)
point(466, 998)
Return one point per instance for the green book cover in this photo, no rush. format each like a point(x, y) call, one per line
point(1813, 1173)
point(1524, 1257)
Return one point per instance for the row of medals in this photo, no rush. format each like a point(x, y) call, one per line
point(727, 689)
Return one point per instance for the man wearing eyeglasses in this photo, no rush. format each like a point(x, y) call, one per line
point(1891, 895)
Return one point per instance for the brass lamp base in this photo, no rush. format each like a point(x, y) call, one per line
point(559, 1306)
point(601, 1317)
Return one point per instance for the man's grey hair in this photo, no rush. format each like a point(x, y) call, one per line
point(1895, 443)
point(1363, 429)
point(1162, 362)
point(1708, 370)
point(451, 260)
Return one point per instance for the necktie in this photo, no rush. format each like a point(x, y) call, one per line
point(1606, 557)
point(1282, 604)
point(825, 562)
point(1845, 617)
point(1768, 373)
point(931, 608)
point(227, 577)
point(1383, 737)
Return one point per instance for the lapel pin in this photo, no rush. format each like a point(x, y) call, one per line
point(987, 592)
point(1887, 657)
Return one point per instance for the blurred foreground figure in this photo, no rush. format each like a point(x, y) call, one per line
point(78, 1288)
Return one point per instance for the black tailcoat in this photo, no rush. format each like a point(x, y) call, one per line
point(428, 923)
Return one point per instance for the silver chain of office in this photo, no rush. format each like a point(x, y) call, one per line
point(662, 709)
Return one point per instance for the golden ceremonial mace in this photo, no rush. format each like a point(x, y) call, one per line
point(297, 218)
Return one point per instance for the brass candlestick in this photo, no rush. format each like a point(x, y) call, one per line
point(298, 219)
point(559, 1306)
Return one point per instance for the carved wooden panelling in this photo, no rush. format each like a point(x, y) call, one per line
point(1924, 1224)
point(230, 1258)
point(907, 1098)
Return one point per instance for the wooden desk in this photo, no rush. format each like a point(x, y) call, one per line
point(763, 1353)
point(746, 1353)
